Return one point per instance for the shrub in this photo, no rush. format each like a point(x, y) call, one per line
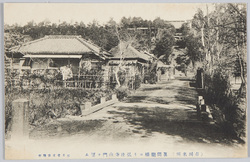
point(122, 92)
point(150, 77)
point(138, 81)
point(46, 104)
point(122, 77)
point(217, 87)
point(226, 104)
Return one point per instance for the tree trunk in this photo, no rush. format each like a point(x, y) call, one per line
point(202, 35)
point(116, 77)
point(243, 80)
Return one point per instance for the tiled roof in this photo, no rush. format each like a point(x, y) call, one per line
point(57, 44)
point(128, 52)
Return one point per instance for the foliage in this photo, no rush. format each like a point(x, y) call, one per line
point(194, 52)
point(181, 43)
point(165, 46)
point(223, 36)
point(122, 92)
point(160, 23)
point(184, 29)
point(122, 75)
point(220, 37)
point(129, 81)
point(227, 106)
point(150, 77)
point(49, 104)
point(218, 86)
point(137, 82)
point(102, 35)
point(136, 22)
point(237, 66)
point(151, 74)
point(182, 58)
point(12, 38)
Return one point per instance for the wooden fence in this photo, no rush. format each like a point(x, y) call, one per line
point(76, 82)
point(27, 83)
point(82, 84)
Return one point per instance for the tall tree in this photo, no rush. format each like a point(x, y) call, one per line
point(223, 36)
point(193, 46)
point(164, 47)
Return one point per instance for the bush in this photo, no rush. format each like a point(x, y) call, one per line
point(217, 87)
point(150, 77)
point(49, 104)
point(137, 82)
point(227, 106)
point(122, 92)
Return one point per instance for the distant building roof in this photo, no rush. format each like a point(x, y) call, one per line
point(178, 23)
point(58, 44)
point(127, 52)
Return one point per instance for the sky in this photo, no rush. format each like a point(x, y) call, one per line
point(21, 13)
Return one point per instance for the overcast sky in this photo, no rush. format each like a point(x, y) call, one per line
point(87, 12)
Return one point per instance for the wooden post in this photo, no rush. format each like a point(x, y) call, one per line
point(20, 120)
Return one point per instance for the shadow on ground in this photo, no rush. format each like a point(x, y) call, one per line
point(186, 95)
point(141, 99)
point(183, 94)
point(65, 128)
point(161, 121)
point(176, 121)
point(176, 117)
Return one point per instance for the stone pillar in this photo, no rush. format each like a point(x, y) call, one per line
point(114, 97)
point(82, 107)
point(199, 99)
point(20, 120)
point(87, 105)
point(203, 106)
point(202, 102)
point(200, 78)
point(103, 100)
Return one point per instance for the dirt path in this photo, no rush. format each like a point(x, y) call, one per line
point(157, 117)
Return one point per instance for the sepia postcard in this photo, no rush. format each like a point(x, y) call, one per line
point(125, 80)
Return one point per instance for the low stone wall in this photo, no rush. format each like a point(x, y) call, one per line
point(87, 108)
